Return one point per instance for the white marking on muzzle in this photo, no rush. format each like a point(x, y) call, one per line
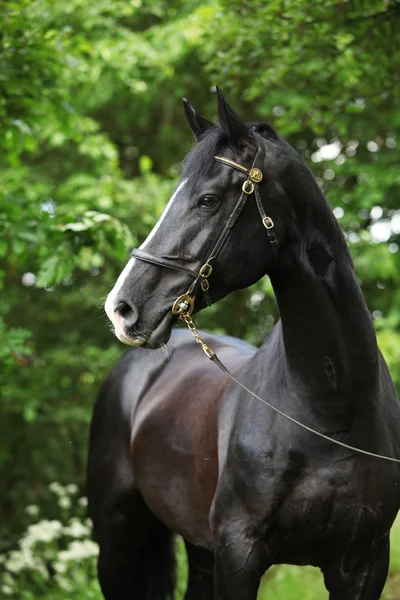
point(112, 296)
point(164, 214)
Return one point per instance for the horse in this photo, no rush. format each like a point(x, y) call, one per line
point(177, 447)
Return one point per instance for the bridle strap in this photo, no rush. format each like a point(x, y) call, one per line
point(170, 264)
point(232, 217)
point(255, 176)
point(162, 262)
point(267, 222)
point(232, 163)
point(185, 303)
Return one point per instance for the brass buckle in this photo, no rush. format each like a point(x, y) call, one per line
point(205, 285)
point(183, 305)
point(207, 351)
point(268, 222)
point(205, 270)
point(248, 187)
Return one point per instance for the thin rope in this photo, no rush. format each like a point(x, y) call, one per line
point(219, 364)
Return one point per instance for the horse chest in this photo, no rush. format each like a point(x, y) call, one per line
point(331, 509)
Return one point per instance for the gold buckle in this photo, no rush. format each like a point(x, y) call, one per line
point(183, 305)
point(248, 187)
point(207, 351)
point(205, 270)
point(256, 175)
point(268, 222)
point(205, 285)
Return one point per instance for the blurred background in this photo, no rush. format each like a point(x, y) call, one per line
point(92, 134)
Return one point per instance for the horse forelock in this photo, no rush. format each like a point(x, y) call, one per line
point(200, 159)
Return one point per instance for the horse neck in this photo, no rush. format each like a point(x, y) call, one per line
point(328, 336)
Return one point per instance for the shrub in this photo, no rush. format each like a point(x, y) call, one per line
point(54, 559)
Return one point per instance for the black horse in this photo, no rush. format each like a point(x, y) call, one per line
point(177, 447)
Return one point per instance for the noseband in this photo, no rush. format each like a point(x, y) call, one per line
point(185, 303)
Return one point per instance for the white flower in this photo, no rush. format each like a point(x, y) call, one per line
point(72, 489)
point(18, 560)
point(79, 550)
point(57, 488)
point(44, 531)
point(76, 529)
point(32, 510)
point(8, 579)
point(63, 583)
point(83, 502)
point(60, 567)
point(7, 590)
point(64, 502)
point(15, 563)
point(41, 568)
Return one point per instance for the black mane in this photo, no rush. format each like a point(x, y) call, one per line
point(200, 159)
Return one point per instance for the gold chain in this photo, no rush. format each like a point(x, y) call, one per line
point(195, 333)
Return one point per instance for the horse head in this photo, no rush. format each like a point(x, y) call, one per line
point(223, 228)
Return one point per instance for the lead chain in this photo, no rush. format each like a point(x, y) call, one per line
point(195, 333)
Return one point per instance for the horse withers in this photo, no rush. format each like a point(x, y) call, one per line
point(178, 448)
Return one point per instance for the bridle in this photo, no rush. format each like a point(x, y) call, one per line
point(184, 304)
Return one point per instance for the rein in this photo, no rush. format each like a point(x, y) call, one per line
point(214, 358)
point(184, 304)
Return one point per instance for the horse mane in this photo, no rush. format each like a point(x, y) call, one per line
point(200, 159)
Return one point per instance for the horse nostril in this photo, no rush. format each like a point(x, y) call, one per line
point(127, 312)
point(123, 309)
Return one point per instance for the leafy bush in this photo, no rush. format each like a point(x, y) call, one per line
point(54, 559)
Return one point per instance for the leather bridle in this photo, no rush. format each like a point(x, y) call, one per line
point(184, 304)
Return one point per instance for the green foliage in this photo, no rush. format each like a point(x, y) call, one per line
point(53, 559)
point(92, 134)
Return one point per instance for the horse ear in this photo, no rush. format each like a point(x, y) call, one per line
point(234, 127)
point(197, 123)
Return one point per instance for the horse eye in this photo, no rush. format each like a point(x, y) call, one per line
point(208, 201)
